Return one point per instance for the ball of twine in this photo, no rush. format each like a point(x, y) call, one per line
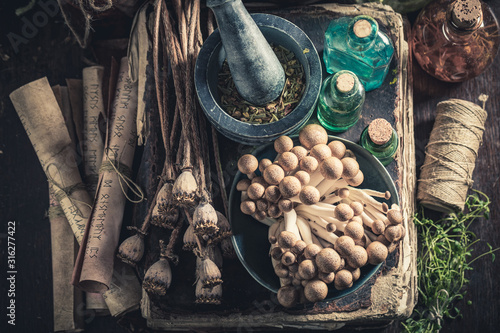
point(450, 155)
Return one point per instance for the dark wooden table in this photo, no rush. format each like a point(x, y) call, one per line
point(48, 50)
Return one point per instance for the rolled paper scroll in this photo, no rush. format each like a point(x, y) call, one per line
point(67, 299)
point(94, 267)
point(93, 110)
point(42, 119)
point(75, 94)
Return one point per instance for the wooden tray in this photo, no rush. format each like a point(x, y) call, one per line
point(391, 293)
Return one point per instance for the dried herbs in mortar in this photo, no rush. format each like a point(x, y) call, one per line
point(233, 104)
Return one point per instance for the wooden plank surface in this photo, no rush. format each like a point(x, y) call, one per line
point(23, 195)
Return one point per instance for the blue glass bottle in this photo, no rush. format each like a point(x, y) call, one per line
point(340, 101)
point(357, 44)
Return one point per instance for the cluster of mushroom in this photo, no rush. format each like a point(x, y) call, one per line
point(322, 228)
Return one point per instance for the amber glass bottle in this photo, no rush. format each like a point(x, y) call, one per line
point(455, 40)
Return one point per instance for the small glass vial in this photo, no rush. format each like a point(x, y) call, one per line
point(455, 40)
point(380, 139)
point(357, 44)
point(340, 101)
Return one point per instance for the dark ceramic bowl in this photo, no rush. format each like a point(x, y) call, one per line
point(250, 237)
point(210, 59)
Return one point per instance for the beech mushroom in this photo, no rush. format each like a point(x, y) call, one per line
point(264, 163)
point(344, 245)
point(289, 187)
point(331, 168)
point(285, 205)
point(288, 296)
point(320, 152)
point(272, 194)
point(298, 247)
point(247, 164)
point(283, 144)
point(248, 207)
point(309, 164)
point(273, 174)
point(393, 233)
point(262, 204)
point(326, 277)
point(255, 191)
point(377, 252)
point(307, 269)
point(288, 258)
point(309, 195)
point(311, 251)
point(287, 239)
point(303, 177)
point(356, 180)
point(328, 260)
point(281, 270)
point(315, 290)
point(343, 212)
point(337, 148)
point(343, 279)
point(243, 184)
point(357, 257)
point(354, 230)
point(299, 151)
point(351, 167)
point(311, 135)
point(395, 216)
point(274, 211)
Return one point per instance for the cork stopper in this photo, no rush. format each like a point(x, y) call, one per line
point(380, 131)
point(345, 82)
point(467, 14)
point(362, 28)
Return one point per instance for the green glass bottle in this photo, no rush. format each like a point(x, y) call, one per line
point(380, 139)
point(340, 101)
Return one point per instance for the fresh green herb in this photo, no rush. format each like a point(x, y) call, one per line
point(444, 256)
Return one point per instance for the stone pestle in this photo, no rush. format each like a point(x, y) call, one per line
point(256, 71)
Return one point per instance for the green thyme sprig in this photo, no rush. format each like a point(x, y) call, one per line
point(445, 255)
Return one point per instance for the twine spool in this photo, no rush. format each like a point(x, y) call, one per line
point(450, 155)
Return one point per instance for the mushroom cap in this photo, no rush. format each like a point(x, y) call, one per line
point(312, 135)
point(309, 164)
point(248, 164)
point(315, 290)
point(309, 195)
point(288, 161)
point(276, 253)
point(289, 186)
point(303, 177)
point(326, 277)
point(377, 252)
point(285, 205)
point(283, 144)
point(357, 208)
point(288, 258)
point(357, 219)
point(343, 212)
point(264, 163)
point(356, 180)
point(311, 251)
point(395, 216)
point(343, 192)
point(328, 260)
point(281, 270)
point(262, 204)
point(356, 273)
point(243, 184)
point(260, 215)
point(298, 247)
point(248, 207)
point(393, 233)
point(344, 245)
point(351, 167)
point(378, 227)
point(331, 168)
point(293, 268)
point(260, 180)
point(288, 296)
point(287, 239)
point(331, 227)
point(338, 148)
point(357, 257)
point(307, 269)
point(272, 193)
point(343, 279)
point(299, 151)
point(320, 152)
point(255, 191)
point(274, 211)
point(354, 230)
point(273, 174)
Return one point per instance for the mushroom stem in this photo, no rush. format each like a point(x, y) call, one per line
point(322, 233)
point(290, 219)
point(330, 185)
point(316, 240)
point(304, 229)
point(362, 196)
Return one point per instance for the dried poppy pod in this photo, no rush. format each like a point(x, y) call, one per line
point(185, 188)
point(212, 296)
point(213, 253)
point(224, 230)
point(131, 250)
point(159, 276)
point(208, 273)
point(189, 239)
point(164, 198)
point(205, 219)
point(165, 213)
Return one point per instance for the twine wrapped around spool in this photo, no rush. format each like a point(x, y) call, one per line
point(450, 155)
